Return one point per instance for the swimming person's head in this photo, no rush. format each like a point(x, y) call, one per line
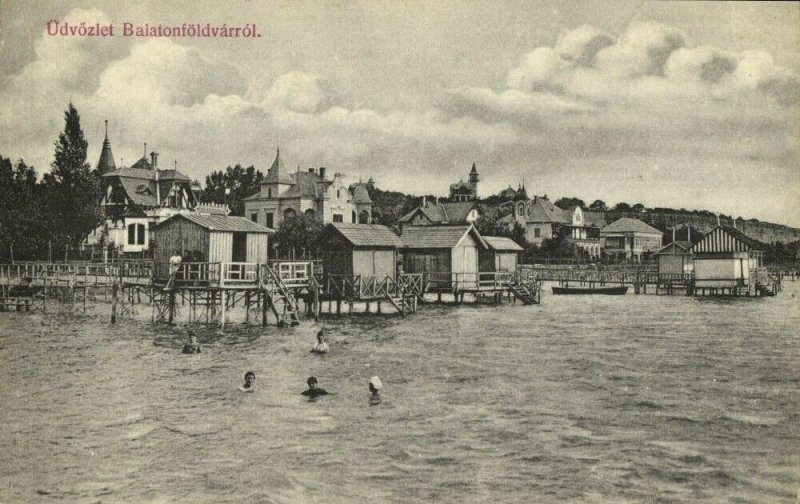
point(320, 336)
point(249, 379)
point(375, 385)
point(312, 382)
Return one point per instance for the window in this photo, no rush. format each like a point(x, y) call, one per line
point(136, 234)
point(521, 209)
point(338, 194)
point(289, 213)
point(270, 219)
point(254, 217)
point(353, 217)
point(269, 192)
point(337, 217)
point(537, 233)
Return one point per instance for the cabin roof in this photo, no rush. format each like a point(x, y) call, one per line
point(502, 244)
point(422, 237)
point(727, 239)
point(367, 235)
point(443, 213)
point(628, 225)
point(675, 248)
point(224, 223)
point(543, 210)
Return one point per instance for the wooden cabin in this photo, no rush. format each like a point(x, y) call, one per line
point(447, 256)
point(502, 254)
point(211, 238)
point(725, 258)
point(369, 250)
point(675, 259)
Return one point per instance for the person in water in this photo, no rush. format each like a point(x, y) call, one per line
point(321, 347)
point(375, 387)
point(313, 389)
point(249, 382)
point(193, 346)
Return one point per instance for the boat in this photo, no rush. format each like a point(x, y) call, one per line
point(617, 290)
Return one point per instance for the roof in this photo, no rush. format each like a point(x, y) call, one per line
point(501, 243)
point(139, 191)
point(461, 185)
point(106, 162)
point(143, 164)
point(437, 236)
point(220, 223)
point(726, 239)
point(443, 213)
point(675, 248)
point(628, 225)
point(361, 194)
point(367, 235)
point(543, 210)
point(277, 172)
point(141, 173)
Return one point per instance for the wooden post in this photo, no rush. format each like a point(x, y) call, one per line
point(264, 309)
point(223, 303)
point(247, 307)
point(171, 300)
point(114, 304)
point(316, 303)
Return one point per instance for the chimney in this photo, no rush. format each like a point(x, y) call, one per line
point(154, 160)
point(322, 172)
point(158, 190)
point(424, 201)
point(673, 234)
point(311, 170)
point(689, 234)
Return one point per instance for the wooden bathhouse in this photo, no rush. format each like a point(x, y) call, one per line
point(502, 254)
point(675, 259)
point(447, 256)
point(726, 260)
point(211, 238)
point(369, 250)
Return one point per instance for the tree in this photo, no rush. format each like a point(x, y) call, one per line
point(598, 205)
point(298, 235)
point(567, 203)
point(622, 207)
point(22, 224)
point(72, 190)
point(232, 186)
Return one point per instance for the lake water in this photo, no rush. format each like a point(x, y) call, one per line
point(591, 399)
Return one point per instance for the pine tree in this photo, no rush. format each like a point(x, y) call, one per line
point(72, 189)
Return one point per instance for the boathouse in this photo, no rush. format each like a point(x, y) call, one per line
point(368, 250)
point(675, 259)
point(211, 238)
point(502, 254)
point(726, 259)
point(447, 256)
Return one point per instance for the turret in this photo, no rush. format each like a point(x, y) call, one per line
point(106, 162)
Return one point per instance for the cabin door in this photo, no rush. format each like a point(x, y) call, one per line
point(239, 247)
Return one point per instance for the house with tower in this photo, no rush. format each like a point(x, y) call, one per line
point(466, 191)
point(311, 193)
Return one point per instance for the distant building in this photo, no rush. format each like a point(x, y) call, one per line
point(630, 239)
point(466, 191)
point(311, 193)
point(437, 213)
point(542, 220)
point(136, 198)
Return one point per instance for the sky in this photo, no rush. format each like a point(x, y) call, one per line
point(675, 104)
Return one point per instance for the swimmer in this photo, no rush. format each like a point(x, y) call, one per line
point(249, 382)
point(321, 347)
point(375, 387)
point(193, 346)
point(313, 390)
